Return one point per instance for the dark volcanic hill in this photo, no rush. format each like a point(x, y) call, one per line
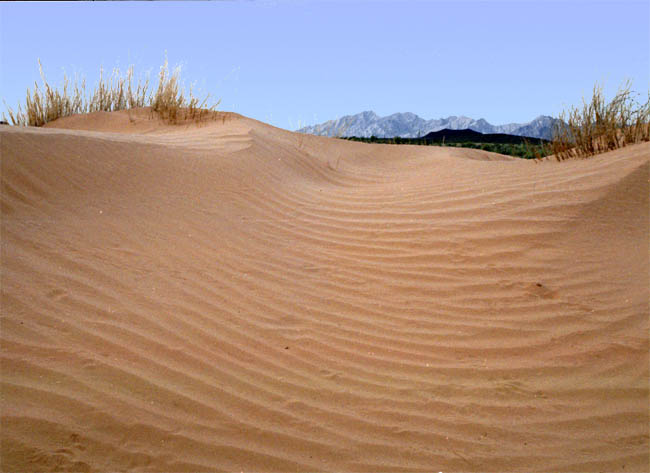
point(467, 135)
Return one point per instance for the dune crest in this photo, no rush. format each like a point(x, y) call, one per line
point(233, 296)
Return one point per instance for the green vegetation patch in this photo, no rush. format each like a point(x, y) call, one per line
point(522, 149)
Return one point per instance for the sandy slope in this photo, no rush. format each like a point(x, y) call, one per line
point(234, 297)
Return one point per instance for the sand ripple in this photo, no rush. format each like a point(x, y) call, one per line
point(236, 297)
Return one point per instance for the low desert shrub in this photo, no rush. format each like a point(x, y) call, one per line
point(599, 126)
point(112, 93)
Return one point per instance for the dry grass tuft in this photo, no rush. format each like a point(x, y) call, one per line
point(600, 126)
point(170, 101)
point(116, 92)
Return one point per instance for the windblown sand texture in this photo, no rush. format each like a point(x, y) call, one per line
point(235, 297)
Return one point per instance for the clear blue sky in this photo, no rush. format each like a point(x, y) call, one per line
point(291, 62)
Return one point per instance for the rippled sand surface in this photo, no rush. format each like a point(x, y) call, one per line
point(235, 297)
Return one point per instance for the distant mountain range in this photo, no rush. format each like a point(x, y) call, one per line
point(410, 125)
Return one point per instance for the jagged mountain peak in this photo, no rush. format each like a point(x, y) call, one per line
point(410, 125)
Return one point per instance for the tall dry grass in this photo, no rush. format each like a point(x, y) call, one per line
point(112, 93)
point(600, 126)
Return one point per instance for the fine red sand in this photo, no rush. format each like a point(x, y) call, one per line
point(236, 297)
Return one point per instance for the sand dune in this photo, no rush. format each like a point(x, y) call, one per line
point(236, 297)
